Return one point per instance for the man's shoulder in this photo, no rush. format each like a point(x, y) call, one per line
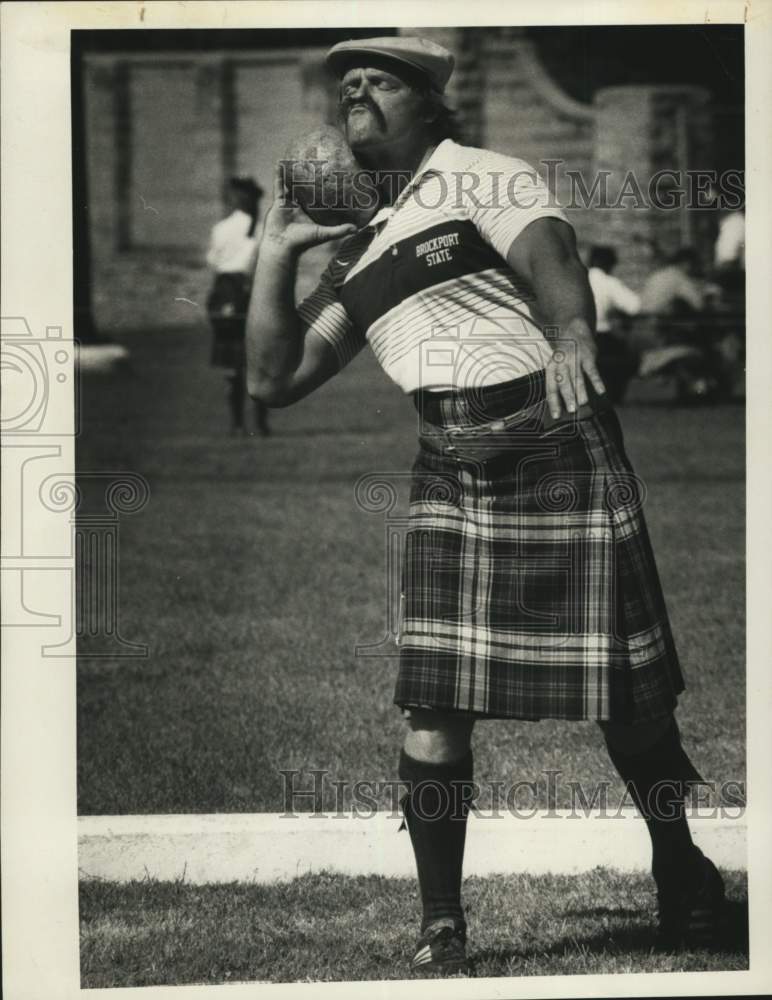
point(345, 255)
point(472, 157)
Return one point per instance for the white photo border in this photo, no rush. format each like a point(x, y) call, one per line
point(39, 836)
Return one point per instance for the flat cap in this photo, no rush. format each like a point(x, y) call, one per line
point(425, 57)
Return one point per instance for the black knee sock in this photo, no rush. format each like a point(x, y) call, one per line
point(436, 806)
point(658, 780)
point(261, 416)
point(236, 399)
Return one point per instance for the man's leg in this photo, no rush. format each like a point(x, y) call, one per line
point(657, 771)
point(436, 766)
point(261, 418)
point(236, 393)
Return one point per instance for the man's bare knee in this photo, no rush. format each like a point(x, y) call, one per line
point(438, 737)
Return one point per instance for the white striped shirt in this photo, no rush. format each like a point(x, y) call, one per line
point(427, 284)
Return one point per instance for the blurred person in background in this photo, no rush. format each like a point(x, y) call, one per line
point(729, 260)
point(676, 288)
point(729, 277)
point(232, 256)
point(615, 303)
point(729, 250)
point(684, 334)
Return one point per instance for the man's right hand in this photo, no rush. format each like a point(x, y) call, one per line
point(287, 229)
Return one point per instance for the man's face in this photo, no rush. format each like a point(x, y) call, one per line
point(377, 107)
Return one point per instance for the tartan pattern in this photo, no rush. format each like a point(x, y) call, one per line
point(530, 586)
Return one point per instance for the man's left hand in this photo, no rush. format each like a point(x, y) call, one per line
point(572, 361)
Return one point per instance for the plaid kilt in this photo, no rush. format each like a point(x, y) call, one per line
point(529, 583)
point(227, 305)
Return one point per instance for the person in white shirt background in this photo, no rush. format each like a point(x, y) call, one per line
point(614, 302)
point(232, 256)
point(729, 261)
point(730, 242)
point(675, 289)
point(692, 336)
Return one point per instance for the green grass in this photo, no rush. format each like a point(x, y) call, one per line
point(332, 928)
point(251, 574)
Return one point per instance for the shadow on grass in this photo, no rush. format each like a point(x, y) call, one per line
point(377, 430)
point(625, 941)
point(619, 941)
point(672, 403)
point(602, 911)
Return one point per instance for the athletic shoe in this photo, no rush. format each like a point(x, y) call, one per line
point(693, 915)
point(441, 949)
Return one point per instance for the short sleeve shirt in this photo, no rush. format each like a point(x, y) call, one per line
point(611, 295)
point(427, 284)
point(665, 286)
point(231, 248)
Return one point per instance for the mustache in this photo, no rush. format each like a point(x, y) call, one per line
point(349, 102)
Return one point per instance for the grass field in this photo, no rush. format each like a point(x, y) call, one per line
point(331, 928)
point(251, 574)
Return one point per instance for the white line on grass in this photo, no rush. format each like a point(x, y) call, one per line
point(268, 847)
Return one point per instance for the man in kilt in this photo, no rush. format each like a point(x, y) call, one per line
point(530, 589)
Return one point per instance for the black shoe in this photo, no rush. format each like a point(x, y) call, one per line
point(441, 949)
point(692, 914)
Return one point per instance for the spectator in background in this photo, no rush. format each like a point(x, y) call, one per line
point(614, 303)
point(729, 261)
point(675, 290)
point(729, 251)
point(685, 340)
point(232, 255)
point(729, 276)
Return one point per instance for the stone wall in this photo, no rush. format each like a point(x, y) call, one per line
point(509, 103)
point(641, 131)
point(163, 135)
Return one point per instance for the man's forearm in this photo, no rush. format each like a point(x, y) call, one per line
point(545, 256)
point(274, 337)
point(567, 311)
point(564, 296)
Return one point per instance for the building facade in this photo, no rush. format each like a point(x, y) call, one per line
point(164, 130)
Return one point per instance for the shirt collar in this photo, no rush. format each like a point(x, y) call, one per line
point(439, 161)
